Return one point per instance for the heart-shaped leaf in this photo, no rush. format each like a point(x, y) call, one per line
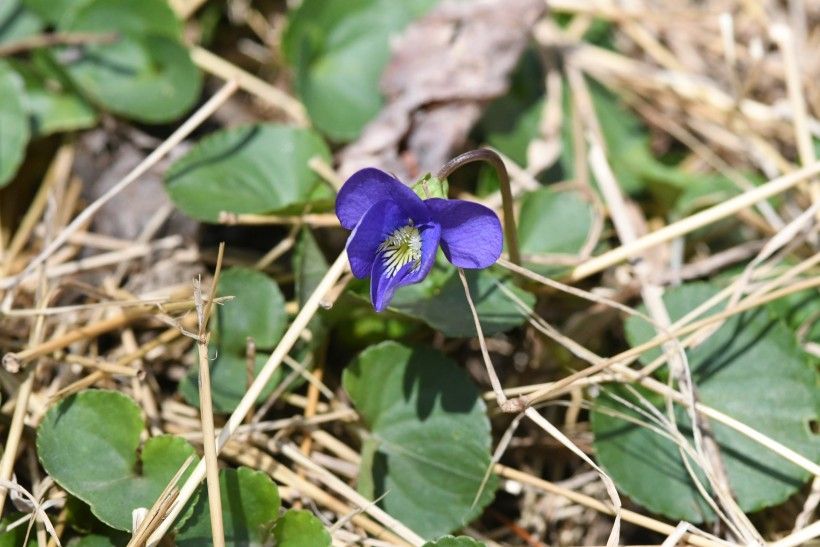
point(250, 506)
point(14, 128)
point(440, 302)
point(256, 311)
point(751, 369)
point(338, 51)
point(89, 444)
point(430, 446)
point(254, 169)
point(300, 529)
point(146, 74)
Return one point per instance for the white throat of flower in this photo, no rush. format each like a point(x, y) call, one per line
point(402, 246)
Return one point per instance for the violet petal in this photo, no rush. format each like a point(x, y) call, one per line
point(369, 186)
point(471, 235)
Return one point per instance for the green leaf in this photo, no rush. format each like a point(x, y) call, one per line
point(553, 222)
point(50, 105)
point(255, 169)
point(450, 541)
point(257, 311)
point(57, 12)
point(300, 529)
point(309, 265)
point(338, 51)
point(17, 536)
point(801, 312)
point(250, 505)
point(430, 445)
point(229, 379)
point(751, 369)
point(88, 443)
point(147, 74)
point(95, 540)
point(14, 128)
point(440, 302)
point(17, 22)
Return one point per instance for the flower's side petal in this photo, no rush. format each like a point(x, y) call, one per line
point(369, 186)
point(382, 287)
point(362, 245)
point(471, 234)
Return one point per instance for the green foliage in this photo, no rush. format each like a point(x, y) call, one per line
point(250, 506)
point(17, 22)
point(261, 168)
point(51, 104)
point(430, 437)
point(553, 222)
point(257, 311)
point(338, 51)
point(146, 74)
point(751, 369)
point(300, 529)
point(17, 536)
point(309, 265)
point(88, 443)
point(440, 302)
point(451, 541)
point(14, 129)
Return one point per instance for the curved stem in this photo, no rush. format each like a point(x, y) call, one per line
point(488, 156)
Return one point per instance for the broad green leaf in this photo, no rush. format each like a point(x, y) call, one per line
point(147, 74)
point(451, 541)
point(257, 310)
point(338, 51)
point(229, 379)
point(300, 529)
point(95, 540)
point(801, 312)
point(14, 128)
point(309, 265)
point(57, 12)
point(429, 449)
point(50, 106)
point(751, 369)
point(16, 21)
point(254, 169)
point(88, 443)
point(553, 222)
point(250, 506)
point(440, 302)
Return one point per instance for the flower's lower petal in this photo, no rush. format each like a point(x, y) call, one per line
point(369, 186)
point(430, 236)
point(382, 287)
point(362, 245)
point(471, 234)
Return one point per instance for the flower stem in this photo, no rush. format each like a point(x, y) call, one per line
point(488, 156)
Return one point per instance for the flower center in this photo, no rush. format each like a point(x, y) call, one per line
point(402, 246)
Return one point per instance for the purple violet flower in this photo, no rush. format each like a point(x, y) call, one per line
point(396, 234)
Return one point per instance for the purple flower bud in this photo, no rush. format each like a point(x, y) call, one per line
point(396, 234)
